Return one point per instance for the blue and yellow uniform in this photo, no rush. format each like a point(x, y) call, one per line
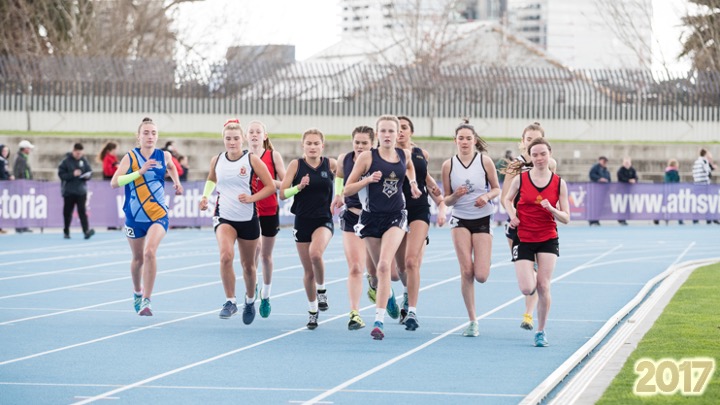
point(145, 196)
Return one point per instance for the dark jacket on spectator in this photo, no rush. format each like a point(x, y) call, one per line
point(4, 167)
point(598, 172)
point(624, 174)
point(71, 184)
point(22, 169)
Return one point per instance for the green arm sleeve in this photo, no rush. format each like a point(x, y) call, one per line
point(338, 186)
point(128, 178)
point(209, 187)
point(291, 191)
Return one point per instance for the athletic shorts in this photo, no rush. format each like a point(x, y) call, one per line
point(304, 228)
point(270, 225)
point(375, 224)
point(348, 220)
point(528, 250)
point(479, 225)
point(137, 230)
point(246, 230)
point(510, 233)
point(421, 213)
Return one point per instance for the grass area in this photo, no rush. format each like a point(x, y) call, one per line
point(688, 327)
point(332, 137)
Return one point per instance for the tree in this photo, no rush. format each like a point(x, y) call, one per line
point(631, 23)
point(702, 43)
point(119, 28)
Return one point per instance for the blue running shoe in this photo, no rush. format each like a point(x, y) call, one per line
point(312, 320)
point(145, 308)
point(392, 307)
point(410, 321)
point(540, 339)
point(377, 332)
point(265, 307)
point(137, 302)
point(248, 313)
point(229, 309)
point(405, 308)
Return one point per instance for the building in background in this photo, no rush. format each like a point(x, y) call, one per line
point(587, 34)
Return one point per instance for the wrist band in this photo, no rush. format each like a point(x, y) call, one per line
point(338, 186)
point(128, 178)
point(291, 191)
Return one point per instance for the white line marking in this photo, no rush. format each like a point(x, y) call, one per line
point(444, 335)
point(268, 389)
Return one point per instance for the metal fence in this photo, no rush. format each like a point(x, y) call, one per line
point(66, 84)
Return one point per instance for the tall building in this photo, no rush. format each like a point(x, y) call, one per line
point(376, 16)
point(587, 34)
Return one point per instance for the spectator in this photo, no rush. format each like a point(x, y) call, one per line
point(599, 174)
point(5, 163)
point(702, 171)
point(109, 160)
point(74, 172)
point(4, 168)
point(184, 169)
point(672, 175)
point(626, 174)
point(22, 170)
point(170, 147)
point(502, 163)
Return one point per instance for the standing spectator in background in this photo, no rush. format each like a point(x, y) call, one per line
point(672, 175)
point(502, 163)
point(74, 172)
point(22, 170)
point(5, 164)
point(702, 171)
point(599, 174)
point(4, 168)
point(109, 160)
point(182, 159)
point(170, 147)
point(626, 174)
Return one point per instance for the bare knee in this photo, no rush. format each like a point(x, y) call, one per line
point(543, 288)
point(226, 259)
point(527, 290)
point(355, 270)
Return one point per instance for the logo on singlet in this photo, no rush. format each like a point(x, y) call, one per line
point(324, 174)
point(469, 186)
point(243, 171)
point(390, 185)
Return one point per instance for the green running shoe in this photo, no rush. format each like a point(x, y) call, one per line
point(265, 307)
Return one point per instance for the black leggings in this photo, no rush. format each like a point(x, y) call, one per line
point(70, 203)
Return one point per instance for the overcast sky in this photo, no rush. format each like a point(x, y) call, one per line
point(313, 25)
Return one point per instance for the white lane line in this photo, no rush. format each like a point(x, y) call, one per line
point(127, 332)
point(156, 294)
point(264, 389)
point(238, 350)
point(394, 360)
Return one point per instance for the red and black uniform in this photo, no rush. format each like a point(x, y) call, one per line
point(537, 232)
point(267, 208)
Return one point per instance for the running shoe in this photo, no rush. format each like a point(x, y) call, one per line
point(527, 322)
point(392, 307)
point(404, 309)
point(229, 309)
point(355, 322)
point(540, 339)
point(137, 302)
point(377, 332)
point(89, 234)
point(265, 307)
point(410, 321)
point(372, 291)
point(248, 313)
point(322, 300)
point(145, 308)
point(312, 320)
point(472, 330)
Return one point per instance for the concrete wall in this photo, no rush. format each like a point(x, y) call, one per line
point(569, 129)
point(574, 158)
